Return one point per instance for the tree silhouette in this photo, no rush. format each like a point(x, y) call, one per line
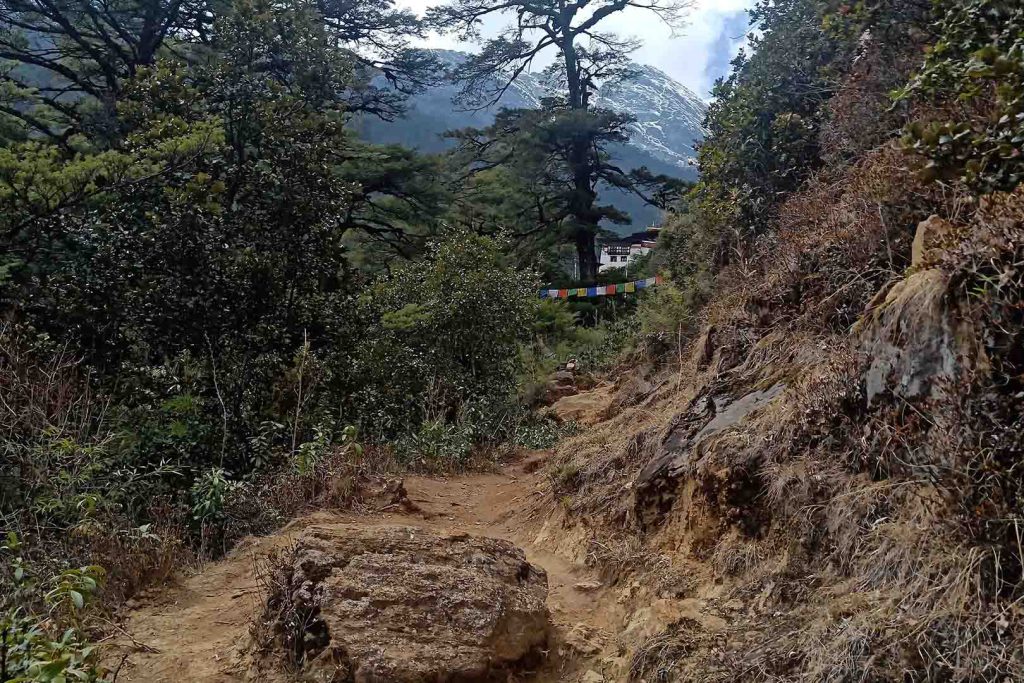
point(588, 57)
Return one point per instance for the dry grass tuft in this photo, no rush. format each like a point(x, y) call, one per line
point(856, 540)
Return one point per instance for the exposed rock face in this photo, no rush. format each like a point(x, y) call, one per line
point(657, 484)
point(914, 339)
point(402, 605)
point(633, 390)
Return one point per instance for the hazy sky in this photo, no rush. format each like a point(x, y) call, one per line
point(699, 54)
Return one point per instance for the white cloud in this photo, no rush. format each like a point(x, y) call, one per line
point(695, 57)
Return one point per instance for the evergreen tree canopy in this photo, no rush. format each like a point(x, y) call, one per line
point(569, 135)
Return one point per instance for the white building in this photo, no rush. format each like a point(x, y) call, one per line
point(617, 253)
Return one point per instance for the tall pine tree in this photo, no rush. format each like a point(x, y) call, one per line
point(588, 57)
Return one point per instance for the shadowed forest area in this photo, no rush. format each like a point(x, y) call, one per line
point(798, 458)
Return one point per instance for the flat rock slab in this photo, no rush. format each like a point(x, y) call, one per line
point(404, 605)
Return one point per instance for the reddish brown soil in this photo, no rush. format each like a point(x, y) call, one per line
point(198, 630)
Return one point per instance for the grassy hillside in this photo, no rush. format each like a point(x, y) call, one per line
point(828, 469)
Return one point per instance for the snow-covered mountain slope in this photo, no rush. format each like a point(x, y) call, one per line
point(668, 124)
point(669, 116)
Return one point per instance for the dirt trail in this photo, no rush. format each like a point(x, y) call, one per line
point(198, 631)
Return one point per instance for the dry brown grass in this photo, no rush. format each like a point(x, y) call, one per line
point(660, 657)
point(879, 542)
point(72, 493)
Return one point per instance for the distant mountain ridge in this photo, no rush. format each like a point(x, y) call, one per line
point(669, 116)
point(668, 124)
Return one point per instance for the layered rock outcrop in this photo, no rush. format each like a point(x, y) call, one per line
point(403, 605)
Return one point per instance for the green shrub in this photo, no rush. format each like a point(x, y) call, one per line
point(537, 365)
point(975, 73)
point(665, 319)
point(40, 636)
point(436, 444)
point(541, 433)
point(31, 653)
point(553, 321)
point(598, 348)
point(443, 339)
point(763, 123)
point(207, 496)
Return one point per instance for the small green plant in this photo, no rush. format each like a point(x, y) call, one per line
point(261, 444)
point(34, 647)
point(208, 495)
point(308, 453)
point(312, 452)
point(566, 477)
point(349, 442)
point(73, 588)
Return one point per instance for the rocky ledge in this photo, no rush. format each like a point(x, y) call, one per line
point(403, 605)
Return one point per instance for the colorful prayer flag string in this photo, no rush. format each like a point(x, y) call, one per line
point(602, 290)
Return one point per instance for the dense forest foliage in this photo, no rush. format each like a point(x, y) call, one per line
point(218, 302)
point(823, 84)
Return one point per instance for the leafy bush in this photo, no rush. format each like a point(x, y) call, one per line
point(207, 496)
point(33, 646)
point(665, 319)
point(30, 652)
point(975, 75)
point(443, 339)
point(436, 444)
point(539, 433)
point(563, 336)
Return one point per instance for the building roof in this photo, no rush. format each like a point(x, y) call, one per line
point(649, 236)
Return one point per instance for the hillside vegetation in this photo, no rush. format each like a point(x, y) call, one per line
point(833, 470)
point(220, 308)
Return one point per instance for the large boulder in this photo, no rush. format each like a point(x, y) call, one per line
point(403, 605)
point(916, 339)
point(587, 408)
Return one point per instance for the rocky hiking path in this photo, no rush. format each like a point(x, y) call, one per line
point(199, 630)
